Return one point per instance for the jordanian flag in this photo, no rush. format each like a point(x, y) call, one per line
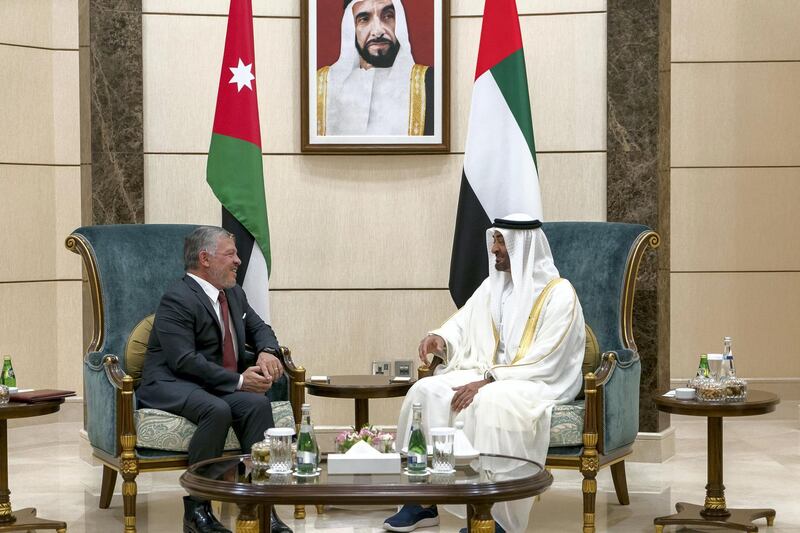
point(500, 174)
point(235, 172)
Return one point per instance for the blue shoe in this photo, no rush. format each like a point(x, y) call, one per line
point(497, 529)
point(410, 517)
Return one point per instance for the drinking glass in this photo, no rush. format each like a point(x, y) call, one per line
point(280, 450)
point(715, 365)
point(443, 459)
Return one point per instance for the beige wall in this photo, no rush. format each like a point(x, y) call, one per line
point(736, 186)
point(40, 282)
point(361, 245)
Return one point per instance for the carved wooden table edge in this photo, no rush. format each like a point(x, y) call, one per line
point(254, 511)
point(715, 512)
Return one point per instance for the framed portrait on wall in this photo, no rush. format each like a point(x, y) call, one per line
point(375, 76)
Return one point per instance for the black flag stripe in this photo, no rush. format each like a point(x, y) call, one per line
point(468, 263)
point(244, 242)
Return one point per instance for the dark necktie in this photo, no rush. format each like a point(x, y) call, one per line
point(228, 355)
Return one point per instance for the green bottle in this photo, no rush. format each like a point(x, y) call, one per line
point(307, 448)
point(8, 378)
point(417, 460)
point(703, 371)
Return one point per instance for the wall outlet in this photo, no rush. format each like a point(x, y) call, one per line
point(403, 368)
point(381, 368)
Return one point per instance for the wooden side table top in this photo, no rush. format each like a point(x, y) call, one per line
point(756, 403)
point(26, 410)
point(358, 387)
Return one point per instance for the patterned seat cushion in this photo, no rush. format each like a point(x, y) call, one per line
point(566, 424)
point(160, 430)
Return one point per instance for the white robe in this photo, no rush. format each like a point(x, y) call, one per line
point(510, 416)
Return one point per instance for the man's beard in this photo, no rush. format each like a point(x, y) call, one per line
point(380, 61)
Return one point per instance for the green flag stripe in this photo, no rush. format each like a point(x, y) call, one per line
point(236, 175)
point(511, 78)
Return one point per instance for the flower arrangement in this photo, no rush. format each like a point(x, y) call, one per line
point(378, 439)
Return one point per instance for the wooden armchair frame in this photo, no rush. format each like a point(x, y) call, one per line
point(127, 462)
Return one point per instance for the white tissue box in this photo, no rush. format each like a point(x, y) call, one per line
point(384, 463)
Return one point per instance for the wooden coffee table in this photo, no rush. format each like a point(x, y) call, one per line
point(23, 519)
point(360, 388)
point(715, 511)
point(233, 479)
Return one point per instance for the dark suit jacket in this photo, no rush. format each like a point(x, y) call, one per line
point(185, 348)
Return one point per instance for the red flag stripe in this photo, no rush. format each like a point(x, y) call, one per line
point(500, 34)
point(237, 110)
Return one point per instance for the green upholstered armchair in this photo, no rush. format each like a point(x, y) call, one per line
point(128, 268)
point(601, 260)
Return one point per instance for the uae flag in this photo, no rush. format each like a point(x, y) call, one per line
point(500, 174)
point(235, 172)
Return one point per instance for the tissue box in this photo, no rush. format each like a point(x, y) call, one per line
point(384, 463)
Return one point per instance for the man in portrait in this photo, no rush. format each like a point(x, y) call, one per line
point(375, 87)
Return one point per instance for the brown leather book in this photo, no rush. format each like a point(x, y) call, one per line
point(40, 395)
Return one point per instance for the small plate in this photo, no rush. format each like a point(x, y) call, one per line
point(277, 473)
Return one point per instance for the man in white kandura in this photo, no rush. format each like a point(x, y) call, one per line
point(375, 87)
point(508, 356)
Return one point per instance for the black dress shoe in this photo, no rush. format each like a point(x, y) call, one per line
point(198, 518)
point(276, 524)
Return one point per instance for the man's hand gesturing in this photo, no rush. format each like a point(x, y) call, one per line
point(430, 344)
point(254, 381)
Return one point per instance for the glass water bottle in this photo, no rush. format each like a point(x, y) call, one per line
point(417, 460)
point(307, 448)
point(8, 378)
point(735, 388)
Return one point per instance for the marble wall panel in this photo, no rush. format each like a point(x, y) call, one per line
point(42, 124)
point(42, 206)
point(41, 23)
point(735, 219)
point(735, 30)
point(758, 309)
point(364, 218)
point(567, 84)
point(342, 332)
point(44, 333)
point(735, 114)
point(115, 44)
point(565, 57)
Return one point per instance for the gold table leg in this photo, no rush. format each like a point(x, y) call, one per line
point(715, 511)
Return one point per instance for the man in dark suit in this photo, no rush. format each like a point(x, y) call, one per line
point(197, 366)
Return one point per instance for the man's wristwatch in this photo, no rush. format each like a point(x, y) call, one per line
point(488, 376)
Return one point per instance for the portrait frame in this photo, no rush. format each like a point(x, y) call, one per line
point(428, 27)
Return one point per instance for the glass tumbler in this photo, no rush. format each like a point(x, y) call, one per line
point(443, 458)
point(280, 450)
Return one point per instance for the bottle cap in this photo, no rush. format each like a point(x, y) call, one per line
point(416, 405)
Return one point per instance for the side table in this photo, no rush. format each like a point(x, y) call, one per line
point(23, 519)
point(361, 389)
point(715, 511)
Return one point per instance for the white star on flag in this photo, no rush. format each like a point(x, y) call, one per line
point(242, 75)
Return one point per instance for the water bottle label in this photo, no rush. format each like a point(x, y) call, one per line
point(306, 458)
point(416, 459)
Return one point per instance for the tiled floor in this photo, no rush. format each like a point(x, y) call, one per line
point(762, 469)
